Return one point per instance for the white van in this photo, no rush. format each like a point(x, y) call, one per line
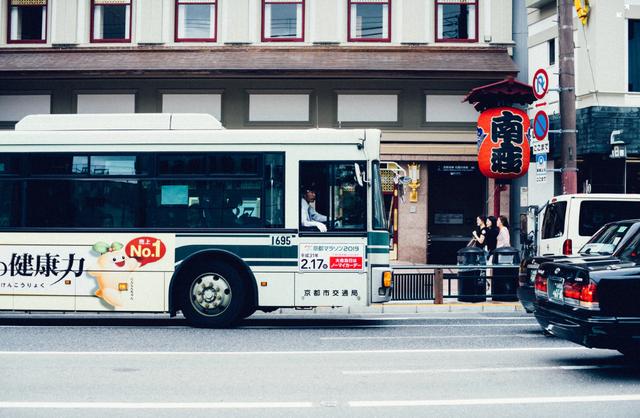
point(570, 220)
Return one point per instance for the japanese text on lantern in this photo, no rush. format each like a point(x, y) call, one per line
point(503, 143)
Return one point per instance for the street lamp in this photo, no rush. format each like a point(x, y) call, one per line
point(414, 174)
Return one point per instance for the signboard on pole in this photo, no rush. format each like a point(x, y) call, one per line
point(540, 147)
point(540, 125)
point(541, 168)
point(540, 83)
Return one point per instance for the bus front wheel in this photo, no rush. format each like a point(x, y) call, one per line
point(212, 295)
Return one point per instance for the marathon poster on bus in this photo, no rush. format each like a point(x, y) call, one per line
point(103, 271)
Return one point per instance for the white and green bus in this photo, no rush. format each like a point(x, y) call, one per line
point(172, 212)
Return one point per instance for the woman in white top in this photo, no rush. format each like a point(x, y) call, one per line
point(503, 235)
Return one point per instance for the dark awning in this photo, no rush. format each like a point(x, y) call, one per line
point(226, 61)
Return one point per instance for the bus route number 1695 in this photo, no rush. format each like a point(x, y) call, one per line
point(281, 240)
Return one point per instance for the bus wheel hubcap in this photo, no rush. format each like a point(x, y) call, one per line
point(210, 294)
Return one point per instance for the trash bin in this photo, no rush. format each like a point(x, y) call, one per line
point(504, 285)
point(472, 284)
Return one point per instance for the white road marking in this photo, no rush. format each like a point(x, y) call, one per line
point(433, 337)
point(337, 326)
point(153, 405)
point(353, 404)
point(497, 401)
point(480, 370)
point(286, 353)
point(420, 316)
point(436, 317)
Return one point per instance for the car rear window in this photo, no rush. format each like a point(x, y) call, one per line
point(553, 223)
point(606, 239)
point(595, 213)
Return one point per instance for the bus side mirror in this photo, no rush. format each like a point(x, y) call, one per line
point(359, 175)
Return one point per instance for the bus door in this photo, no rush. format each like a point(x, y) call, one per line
point(332, 261)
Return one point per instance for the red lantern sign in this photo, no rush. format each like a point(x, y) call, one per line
point(503, 143)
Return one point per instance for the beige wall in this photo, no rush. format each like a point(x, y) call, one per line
point(239, 21)
point(64, 22)
point(600, 54)
point(412, 222)
point(150, 21)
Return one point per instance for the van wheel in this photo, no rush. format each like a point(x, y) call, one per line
point(212, 295)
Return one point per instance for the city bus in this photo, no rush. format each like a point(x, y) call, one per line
point(173, 213)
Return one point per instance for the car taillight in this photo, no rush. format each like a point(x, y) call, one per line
point(541, 285)
point(581, 294)
point(567, 247)
point(588, 293)
point(572, 291)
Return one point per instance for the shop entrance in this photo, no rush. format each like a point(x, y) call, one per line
point(457, 192)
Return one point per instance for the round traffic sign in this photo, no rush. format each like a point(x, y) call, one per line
point(540, 83)
point(540, 125)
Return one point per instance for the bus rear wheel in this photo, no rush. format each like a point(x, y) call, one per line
point(212, 295)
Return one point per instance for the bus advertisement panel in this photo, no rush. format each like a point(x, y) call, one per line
point(99, 271)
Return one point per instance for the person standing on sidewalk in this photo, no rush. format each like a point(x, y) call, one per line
point(480, 233)
point(492, 235)
point(503, 239)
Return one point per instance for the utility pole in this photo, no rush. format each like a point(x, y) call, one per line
point(567, 97)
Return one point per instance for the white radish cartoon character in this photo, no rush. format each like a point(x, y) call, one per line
point(112, 267)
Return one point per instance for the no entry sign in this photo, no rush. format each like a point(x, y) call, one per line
point(540, 125)
point(540, 83)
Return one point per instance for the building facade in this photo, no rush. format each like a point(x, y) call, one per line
point(403, 66)
point(607, 78)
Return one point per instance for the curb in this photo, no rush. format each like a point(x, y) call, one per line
point(415, 307)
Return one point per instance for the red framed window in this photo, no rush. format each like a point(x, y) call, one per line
point(27, 21)
point(282, 20)
point(457, 20)
point(369, 20)
point(110, 20)
point(196, 20)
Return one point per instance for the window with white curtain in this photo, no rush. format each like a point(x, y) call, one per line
point(370, 20)
point(283, 20)
point(27, 21)
point(448, 108)
point(111, 21)
point(196, 20)
point(15, 107)
point(368, 108)
point(106, 103)
point(278, 107)
point(193, 103)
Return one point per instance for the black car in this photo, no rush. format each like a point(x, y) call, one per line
point(594, 303)
point(601, 246)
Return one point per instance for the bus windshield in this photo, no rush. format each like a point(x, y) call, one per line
point(379, 218)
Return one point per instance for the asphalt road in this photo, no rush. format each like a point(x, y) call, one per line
point(375, 365)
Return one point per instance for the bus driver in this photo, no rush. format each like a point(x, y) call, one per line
point(309, 216)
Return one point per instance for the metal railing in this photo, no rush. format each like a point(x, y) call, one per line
point(439, 282)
